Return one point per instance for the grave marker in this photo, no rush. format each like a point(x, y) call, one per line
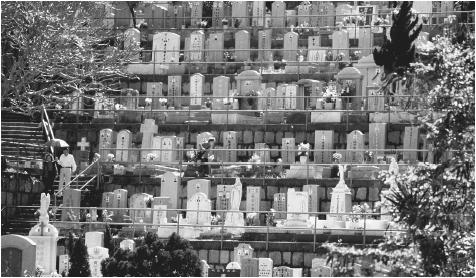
point(377, 138)
point(215, 47)
point(197, 82)
point(288, 152)
point(290, 46)
point(264, 45)
point(174, 91)
point(355, 141)
point(166, 46)
point(229, 142)
point(221, 87)
point(258, 13)
point(123, 144)
point(198, 186)
point(106, 139)
point(96, 256)
point(280, 204)
point(198, 209)
point(410, 142)
point(18, 255)
point(242, 41)
point(148, 129)
point(170, 186)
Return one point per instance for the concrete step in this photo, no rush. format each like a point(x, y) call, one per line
point(19, 124)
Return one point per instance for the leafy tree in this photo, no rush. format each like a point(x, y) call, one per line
point(108, 241)
point(153, 257)
point(79, 260)
point(51, 49)
point(435, 203)
point(396, 54)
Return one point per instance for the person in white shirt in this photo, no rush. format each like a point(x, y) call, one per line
point(68, 166)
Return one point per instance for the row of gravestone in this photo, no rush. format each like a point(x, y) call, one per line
point(169, 149)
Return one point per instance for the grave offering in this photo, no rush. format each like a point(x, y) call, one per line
point(45, 236)
point(341, 199)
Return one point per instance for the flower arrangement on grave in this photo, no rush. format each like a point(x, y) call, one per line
point(237, 23)
point(148, 102)
point(119, 107)
point(255, 167)
point(110, 157)
point(337, 157)
point(355, 55)
point(357, 211)
point(368, 156)
point(151, 156)
point(204, 24)
point(381, 21)
point(271, 218)
point(224, 22)
point(330, 93)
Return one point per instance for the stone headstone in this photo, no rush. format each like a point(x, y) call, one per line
point(253, 198)
point(242, 41)
point(248, 81)
point(176, 16)
point(366, 39)
point(215, 47)
point(326, 13)
point(198, 209)
point(355, 141)
point(371, 75)
point(197, 45)
point(137, 201)
point(103, 107)
point(280, 96)
point(320, 269)
point(106, 139)
point(263, 152)
point(94, 239)
point(218, 13)
point(269, 99)
point(204, 137)
point(221, 87)
point(198, 185)
point(18, 255)
point(107, 200)
point(71, 198)
point(243, 250)
point(290, 46)
point(264, 45)
point(314, 198)
point(239, 12)
point(229, 143)
point(249, 267)
point(119, 202)
point(197, 82)
point(196, 13)
point(123, 144)
point(168, 149)
point(132, 43)
point(304, 10)
point(161, 203)
point(155, 90)
point(297, 202)
point(127, 244)
point(234, 220)
point(288, 150)
point(223, 198)
point(170, 186)
point(340, 43)
point(376, 100)
point(204, 268)
point(280, 204)
point(96, 256)
point(286, 271)
point(148, 129)
point(166, 47)
point(63, 265)
point(159, 214)
point(174, 91)
point(292, 100)
point(313, 46)
point(265, 267)
point(377, 138)
point(324, 140)
point(258, 13)
point(410, 142)
point(278, 15)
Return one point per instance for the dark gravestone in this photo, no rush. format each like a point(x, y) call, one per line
point(18, 255)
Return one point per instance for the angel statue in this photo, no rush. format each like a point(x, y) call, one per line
point(44, 204)
point(342, 172)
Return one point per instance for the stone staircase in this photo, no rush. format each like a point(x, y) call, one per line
point(22, 141)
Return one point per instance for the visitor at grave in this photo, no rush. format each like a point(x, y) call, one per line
point(49, 173)
point(68, 166)
point(203, 155)
point(303, 149)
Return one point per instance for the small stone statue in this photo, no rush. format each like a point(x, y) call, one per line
point(393, 168)
point(342, 172)
point(44, 204)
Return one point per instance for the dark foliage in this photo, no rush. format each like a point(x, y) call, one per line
point(79, 260)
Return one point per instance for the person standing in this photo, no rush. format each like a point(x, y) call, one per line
point(49, 173)
point(68, 166)
point(204, 155)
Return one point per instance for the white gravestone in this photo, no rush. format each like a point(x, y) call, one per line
point(291, 101)
point(355, 146)
point(96, 256)
point(239, 12)
point(123, 144)
point(63, 264)
point(196, 13)
point(280, 204)
point(148, 129)
point(290, 46)
point(159, 214)
point(127, 244)
point(304, 11)
point(106, 139)
point(243, 250)
point(171, 186)
point(107, 199)
point(410, 142)
point(218, 13)
point(264, 45)
point(269, 99)
point(280, 96)
point(167, 152)
point(198, 209)
point(138, 201)
point(161, 203)
point(288, 150)
point(197, 45)
point(263, 152)
point(174, 91)
point(197, 81)
point(253, 198)
point(278, 15)
point(324, 141)
point(229, 143)
point(119, 202)
point(215, 47)
point(198, 185)
point(297, 202)
point(94, 239)
point(71, 198)
point(377, 138)
point(376, 99)
point(103, 107)
point(221, 87)
point(314, 198)
point(265, 267)
point(166, 47)
point(340, 43)
point(155, 90)
point(313, 46)
point(242, 41)
point(258, 13)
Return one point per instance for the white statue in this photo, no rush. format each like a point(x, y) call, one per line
point(342, 172)
point(393, 168)
point(44, 204)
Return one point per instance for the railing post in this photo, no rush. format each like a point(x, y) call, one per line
point(178, 222)
point(365, 228)
point(221, 234)
point(315, 228)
